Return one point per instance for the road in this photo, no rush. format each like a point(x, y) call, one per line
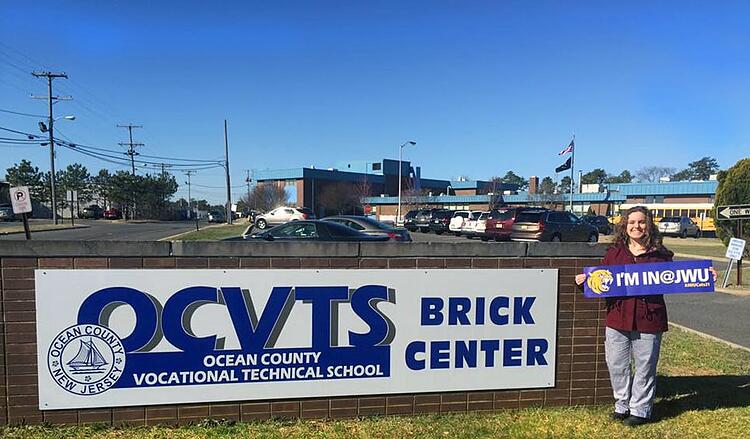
point(718, 314)
point(100, 230)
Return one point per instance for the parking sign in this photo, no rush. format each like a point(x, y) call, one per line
point(20, 198)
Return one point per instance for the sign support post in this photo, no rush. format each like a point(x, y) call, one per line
point(26, 230)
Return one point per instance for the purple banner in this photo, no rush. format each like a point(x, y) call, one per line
point(644, 279)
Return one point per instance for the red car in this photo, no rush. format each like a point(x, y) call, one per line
point(499, 224)
point(112, 214)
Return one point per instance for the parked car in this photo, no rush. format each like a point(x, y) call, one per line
point(409, 220)
point(533, 224)
point(601, 223)
point(470, 223)
point(92, 211)
point(424, 218)
point(307, 231)
point(112, 214)
point(440, 222)
point(371, 227)
point(475, 228)
point(6, 213)
point(282, 215)
point(679, 226)
point(499, 224)
point(216, 216)
point(457, 221)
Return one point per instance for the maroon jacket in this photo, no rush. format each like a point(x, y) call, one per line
point(639, 313)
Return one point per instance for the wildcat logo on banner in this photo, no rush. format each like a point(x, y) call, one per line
point(643, 279)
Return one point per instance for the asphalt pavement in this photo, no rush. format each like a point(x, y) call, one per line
point(102, 230)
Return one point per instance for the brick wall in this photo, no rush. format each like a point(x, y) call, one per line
point(581, 370)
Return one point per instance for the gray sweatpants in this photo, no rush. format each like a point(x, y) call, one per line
point(634, 393)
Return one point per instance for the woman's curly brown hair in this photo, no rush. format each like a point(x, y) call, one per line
point(653, 237)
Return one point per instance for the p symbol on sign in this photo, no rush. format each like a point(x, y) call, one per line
point(20, 196)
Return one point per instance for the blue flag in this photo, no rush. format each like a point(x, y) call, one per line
point(644, 279)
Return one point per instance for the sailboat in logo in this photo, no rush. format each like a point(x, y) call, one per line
point(88, 359)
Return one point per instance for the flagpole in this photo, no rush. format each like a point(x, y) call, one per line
point(572, 167)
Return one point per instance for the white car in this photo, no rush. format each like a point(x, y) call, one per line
point(475, 224)
point(282, 215)
point(457, 222)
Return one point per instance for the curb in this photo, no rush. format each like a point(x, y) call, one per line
point(710, 337)
point(82, 226)
point(691, 256)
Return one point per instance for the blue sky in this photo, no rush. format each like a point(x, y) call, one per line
point(483, 87)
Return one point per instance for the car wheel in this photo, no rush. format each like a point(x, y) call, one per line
point(424, 230)
point(438, 232)
point(683, 234)
point(593, 238)
point(556, 238)
point(485, 239)
point(457, 233)
point(261, 224)
point(698, 234)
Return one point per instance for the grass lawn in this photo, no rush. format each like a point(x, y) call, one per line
point(703, 391)
point(213, 233)
point(711, 247)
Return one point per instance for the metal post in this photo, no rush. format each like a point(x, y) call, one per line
point(226, 169)
point(52, 152)
point(398, 210)
point(739, 262)
point(26, 231)
point(572, 166)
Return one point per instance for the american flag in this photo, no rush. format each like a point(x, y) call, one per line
point(568, 149)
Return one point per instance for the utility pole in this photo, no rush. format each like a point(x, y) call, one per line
point(248, 180)
point(50, 76)
point(131, 146)
point(226, 169)
point(190, 199)
point(131, 152)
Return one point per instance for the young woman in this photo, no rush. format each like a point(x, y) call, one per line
point(634, 324)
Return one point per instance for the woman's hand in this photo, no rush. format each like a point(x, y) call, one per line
point(581, 278)
point(712, 270)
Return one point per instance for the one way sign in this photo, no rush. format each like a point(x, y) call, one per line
point(741, 211)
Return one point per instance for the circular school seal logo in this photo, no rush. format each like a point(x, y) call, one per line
point(86, 359)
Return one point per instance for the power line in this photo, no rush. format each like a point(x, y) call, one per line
point(20, 114)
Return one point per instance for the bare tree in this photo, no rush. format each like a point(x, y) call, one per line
point(652, 174)
point(265, 197)
point(339, 198)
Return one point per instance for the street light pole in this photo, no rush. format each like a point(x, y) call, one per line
point(400, 156)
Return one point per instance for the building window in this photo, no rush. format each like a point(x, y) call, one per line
point(290, 182)
point(377, 166)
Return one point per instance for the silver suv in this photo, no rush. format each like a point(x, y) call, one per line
point(679, 226)
point(282, 215)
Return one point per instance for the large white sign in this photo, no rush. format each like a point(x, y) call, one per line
point(126, 337)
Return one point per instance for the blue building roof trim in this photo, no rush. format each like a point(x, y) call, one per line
point(278, 174)
point(326, 174)
point(522, 198)
point(667, 188)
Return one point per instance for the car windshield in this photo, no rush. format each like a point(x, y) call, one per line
point(670, 219)
point(411, 214)
point(305, 210)
point(304, 230)
point(531, 216)
point(374, 223)
point(501, 214)
point(338, 230)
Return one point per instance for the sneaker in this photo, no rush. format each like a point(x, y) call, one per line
point(617, 416)
point(634, 421)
